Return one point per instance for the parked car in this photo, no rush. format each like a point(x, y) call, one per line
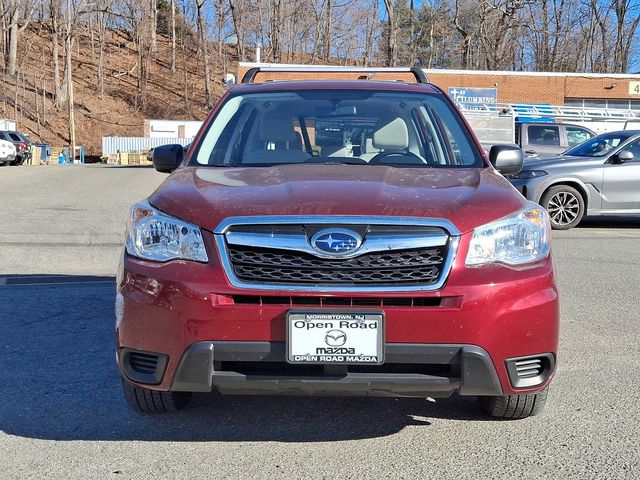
point(22, 143)
point(7, 152)
point(540, 140)
point(337, 237)
point(597, 177)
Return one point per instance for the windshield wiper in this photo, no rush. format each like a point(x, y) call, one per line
point(344, 162)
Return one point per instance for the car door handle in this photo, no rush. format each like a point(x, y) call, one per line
point(530, 151)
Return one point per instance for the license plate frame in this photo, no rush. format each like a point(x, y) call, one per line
point(361, 356)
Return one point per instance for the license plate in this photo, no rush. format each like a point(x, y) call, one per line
point(335, 337)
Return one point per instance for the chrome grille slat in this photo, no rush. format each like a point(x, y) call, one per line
point(415, 266)
point(374, 243)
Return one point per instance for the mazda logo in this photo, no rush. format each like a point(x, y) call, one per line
point(336, 241)
point(335, 338)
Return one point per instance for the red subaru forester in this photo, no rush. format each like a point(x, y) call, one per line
point(343, 237)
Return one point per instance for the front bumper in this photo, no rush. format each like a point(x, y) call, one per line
point(259, 367)
point(178, 306)
point(531, 188)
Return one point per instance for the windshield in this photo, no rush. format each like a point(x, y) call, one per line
point(337, 126)
point(598, 146)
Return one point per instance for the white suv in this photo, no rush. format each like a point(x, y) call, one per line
point(7, 152)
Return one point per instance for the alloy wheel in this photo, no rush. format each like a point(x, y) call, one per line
point(563, 208)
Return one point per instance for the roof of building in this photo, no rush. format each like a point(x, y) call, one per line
point(443, 71)
point(531, 74)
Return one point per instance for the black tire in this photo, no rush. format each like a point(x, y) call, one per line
point(152, 401)
point(515, 407)
point(565, 206)
point(17, 161)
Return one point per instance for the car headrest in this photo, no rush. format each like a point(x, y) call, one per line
point(393, 135)
point(277, 126)
point(368, 146)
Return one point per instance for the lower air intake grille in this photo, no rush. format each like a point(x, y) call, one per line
point(143, 367)
point(411, 302)
point(530, 371)
point(143, 362)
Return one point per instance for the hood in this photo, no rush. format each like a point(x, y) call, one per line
point(561, 161)
point(207, 195)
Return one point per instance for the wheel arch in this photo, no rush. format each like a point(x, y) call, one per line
point(578, 185)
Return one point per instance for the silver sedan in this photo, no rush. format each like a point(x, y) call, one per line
point(598, 177)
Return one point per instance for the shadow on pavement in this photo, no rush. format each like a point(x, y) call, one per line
point(59, 381)
point(128, 166)
point(610, 222)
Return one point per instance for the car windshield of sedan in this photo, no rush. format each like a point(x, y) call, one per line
point(337, 127)
point(598, 146)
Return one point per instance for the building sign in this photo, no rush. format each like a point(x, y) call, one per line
point(475, 98)
point(634, 88)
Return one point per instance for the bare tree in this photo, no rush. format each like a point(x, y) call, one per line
point(624, 32)
point(221, 15)
point(153, 26)
point(328, 26)
point(464, 33)
point(371, 27)
point(237, 9)
point(173, 36)
point(501, 19)
point(275, 31)
point(392, 34)
point(102, 8)
point(202, 44)
point(54, 13)
point(18, 15)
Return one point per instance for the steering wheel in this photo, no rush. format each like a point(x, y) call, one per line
point(411, 158)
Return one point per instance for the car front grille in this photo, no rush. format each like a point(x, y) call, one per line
point(412, 256)
point(420, 266)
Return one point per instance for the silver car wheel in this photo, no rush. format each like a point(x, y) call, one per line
point(563, 208)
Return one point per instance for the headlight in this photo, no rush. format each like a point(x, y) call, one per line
point(525, 174)
point(153, 235)
point(514, 240)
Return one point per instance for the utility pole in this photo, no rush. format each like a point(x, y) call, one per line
point(68, 46)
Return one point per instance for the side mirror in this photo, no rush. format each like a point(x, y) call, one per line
point(621, 157)
point(507, 159)
point(167, 158)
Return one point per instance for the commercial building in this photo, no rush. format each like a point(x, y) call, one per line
point(613, 91)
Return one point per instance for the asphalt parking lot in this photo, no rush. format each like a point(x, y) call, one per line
point(62, 414)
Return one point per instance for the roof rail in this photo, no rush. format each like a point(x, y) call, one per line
point(250, 76)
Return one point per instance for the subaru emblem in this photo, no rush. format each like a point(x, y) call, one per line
point(336, 241)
